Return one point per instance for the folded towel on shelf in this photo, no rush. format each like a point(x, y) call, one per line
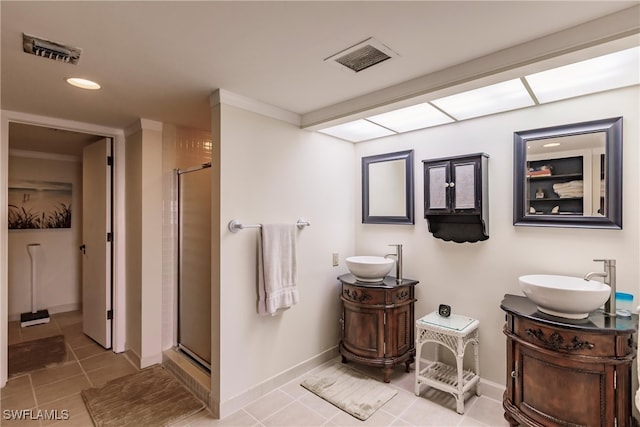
point(277, 272)
point(569, 189)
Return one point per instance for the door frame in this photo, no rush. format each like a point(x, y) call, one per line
point(118, 135)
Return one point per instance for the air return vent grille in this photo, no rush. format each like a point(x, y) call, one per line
point(52, 50)
point(362, 56)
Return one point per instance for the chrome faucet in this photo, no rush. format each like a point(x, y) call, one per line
point(398, 256)
point(609, 276)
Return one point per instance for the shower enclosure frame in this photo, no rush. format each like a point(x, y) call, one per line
point(182, 346)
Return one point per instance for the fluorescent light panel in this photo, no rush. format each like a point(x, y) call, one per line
point(612, 71)
point(406, 119)
point(496, 98)
point(357, 131)
point(605, 72)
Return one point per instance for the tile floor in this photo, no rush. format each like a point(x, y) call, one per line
point(88, 364)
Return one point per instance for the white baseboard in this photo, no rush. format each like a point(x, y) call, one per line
point(228, 407)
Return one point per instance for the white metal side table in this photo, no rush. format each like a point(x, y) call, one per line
point(454, 333)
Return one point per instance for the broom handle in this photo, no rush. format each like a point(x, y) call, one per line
point(33, 251)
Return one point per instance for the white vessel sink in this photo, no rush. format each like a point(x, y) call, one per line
point(369, 268)
point(564, 296)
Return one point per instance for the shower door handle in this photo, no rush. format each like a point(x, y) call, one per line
point(83, 249)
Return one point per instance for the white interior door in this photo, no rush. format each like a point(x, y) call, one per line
point(96, 242)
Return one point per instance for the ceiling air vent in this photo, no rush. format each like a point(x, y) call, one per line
point(52, 50)
point(362, 56)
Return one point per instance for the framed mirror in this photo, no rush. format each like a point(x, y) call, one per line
point(387, 188)
point(569, 175)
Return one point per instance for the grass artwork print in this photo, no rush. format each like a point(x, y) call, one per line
point(39, 204)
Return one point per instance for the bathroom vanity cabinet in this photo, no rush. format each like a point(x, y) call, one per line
point(378, 322)
point(456, 197)
point(564, 372)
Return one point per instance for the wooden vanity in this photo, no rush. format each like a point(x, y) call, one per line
point(378, 322)
point(564, 372)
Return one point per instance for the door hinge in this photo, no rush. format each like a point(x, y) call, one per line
point(109, 314)
point(109, 237)
point(109, 160)
point(615, 380)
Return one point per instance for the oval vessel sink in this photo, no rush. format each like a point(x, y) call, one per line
point(369, 268)
point(564, 296)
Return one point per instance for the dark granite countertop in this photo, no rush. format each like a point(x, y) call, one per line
point(597, 320)
point(389, 282)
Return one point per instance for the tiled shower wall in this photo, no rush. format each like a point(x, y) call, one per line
point(182, 148)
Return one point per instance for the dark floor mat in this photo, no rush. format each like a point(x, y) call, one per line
point(31, 355)
point(151, 397)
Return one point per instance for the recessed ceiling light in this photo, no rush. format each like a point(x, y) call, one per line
point(411, 118)
point(357, 130)
point(612, 71)
point(483, 101)
point(83, 83)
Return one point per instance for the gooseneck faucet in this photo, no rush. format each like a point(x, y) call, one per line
point(609, 276)
point(398, 256)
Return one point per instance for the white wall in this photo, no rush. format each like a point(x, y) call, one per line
point(273, 172)
point(473, 277)
point(144, 242)
point(59, 267)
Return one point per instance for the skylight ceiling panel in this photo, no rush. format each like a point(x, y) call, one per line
point(357, 131)
point(410, 118)
point(612, 71)
point(496, 98)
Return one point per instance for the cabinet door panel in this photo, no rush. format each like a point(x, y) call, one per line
point(399, 330)
point(364, 331)
point(437, 187)
point(555, 394)
point(465, 186)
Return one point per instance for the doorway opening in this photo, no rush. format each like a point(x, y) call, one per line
point(46, 168)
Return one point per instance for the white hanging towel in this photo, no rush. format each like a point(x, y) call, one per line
point(277, 273)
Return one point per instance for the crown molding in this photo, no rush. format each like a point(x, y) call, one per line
point(221, 96)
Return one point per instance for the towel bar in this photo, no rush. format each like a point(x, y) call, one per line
point(235, 225)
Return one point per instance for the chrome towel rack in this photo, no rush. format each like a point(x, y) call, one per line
point(235, 225)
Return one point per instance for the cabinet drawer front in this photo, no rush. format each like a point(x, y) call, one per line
point(401, 295)
point(360, 295)
point(566, 340)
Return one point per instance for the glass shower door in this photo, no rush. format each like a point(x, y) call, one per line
point(194, 264)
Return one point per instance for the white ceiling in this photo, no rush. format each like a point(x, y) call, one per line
point(161, 60)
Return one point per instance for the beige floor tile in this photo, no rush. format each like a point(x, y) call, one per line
point(117, 369)
point(78, 339)
point(60, 389)
point(487, 411)
point(71, 407)
point(267, 405)
point(68, 318)
point(89, 350)
point(50, 375)
point(102, 360)
point(39, 331)
point(72, 329)
point(294, 415)
point(321, 406)
point(426, 413)
point(399, 403)
point(14, 333)
point(16, 385)
point(378, 418)
point(27, 418)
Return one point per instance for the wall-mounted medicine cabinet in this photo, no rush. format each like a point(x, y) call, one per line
point(455, 197)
